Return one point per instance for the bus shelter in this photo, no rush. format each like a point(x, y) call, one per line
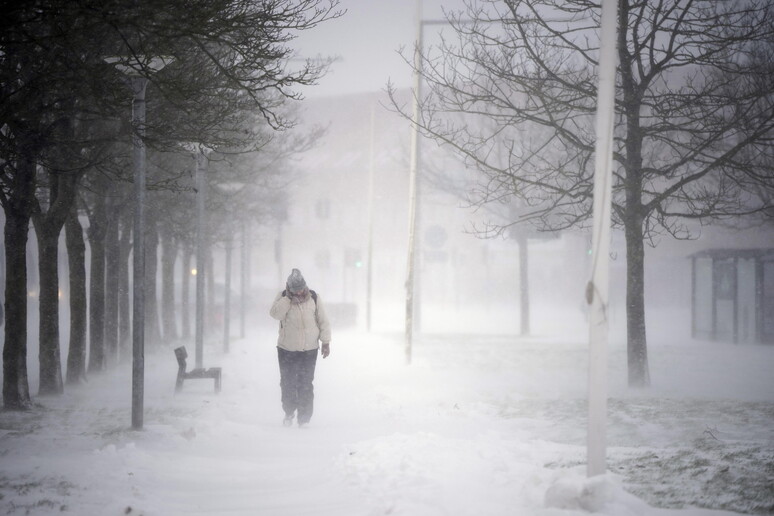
point(733, 295)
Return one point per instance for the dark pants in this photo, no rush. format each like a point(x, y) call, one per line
point(296, 376)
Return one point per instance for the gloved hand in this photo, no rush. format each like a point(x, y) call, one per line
point(326, 349)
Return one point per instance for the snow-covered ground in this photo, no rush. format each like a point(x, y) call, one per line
point(480, 426)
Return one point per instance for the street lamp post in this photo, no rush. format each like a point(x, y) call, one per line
point(230, 190)
point(135, 70)
point(413, 187)
point(244, 281)
point(370, 250)
point(138, 275)
point(227, 296)
point(413, 305)
point(201, 193)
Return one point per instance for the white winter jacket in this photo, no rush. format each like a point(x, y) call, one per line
point(302, 325)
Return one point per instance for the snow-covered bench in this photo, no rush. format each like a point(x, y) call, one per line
point(194, 374)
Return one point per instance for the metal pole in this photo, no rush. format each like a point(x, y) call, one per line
point(597, 290)
point(200, 257)
point(248, 260)
point(138, 278)
point(413, 183)
point(243, 293)
point(227, 297)
point(370, 260)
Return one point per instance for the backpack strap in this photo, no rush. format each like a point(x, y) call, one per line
point(314, 298)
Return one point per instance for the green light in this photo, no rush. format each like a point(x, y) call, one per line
point(358, 264)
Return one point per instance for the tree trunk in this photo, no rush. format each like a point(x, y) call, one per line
point(48, 227)
point(97, 230)
point(168, 257)
point(76, 257)
point(152, 325)
point(124, 306)
point(637, 348)
point(18, 209)
point(112, 257)
point(185, 297)
point(636, 343)
point(16, 394)
point(2, 274)
point(49, 359)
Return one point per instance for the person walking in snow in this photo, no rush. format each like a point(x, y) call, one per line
point(303, 324)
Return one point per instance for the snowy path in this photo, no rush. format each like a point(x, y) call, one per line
point(476, 426)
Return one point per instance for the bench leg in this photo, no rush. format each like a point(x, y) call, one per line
point(179, 381)
point(217, 382)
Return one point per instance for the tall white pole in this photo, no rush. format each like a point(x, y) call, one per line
point(370, 257)
point(597, 290)
point(413, 183)
point(138, 272)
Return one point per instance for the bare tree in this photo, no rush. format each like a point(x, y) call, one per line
point(694, 117)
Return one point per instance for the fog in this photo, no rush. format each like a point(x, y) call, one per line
point(367, 42)
point(484, 421)
point(489, 418)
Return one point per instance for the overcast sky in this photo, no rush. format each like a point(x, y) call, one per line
point(367, 39)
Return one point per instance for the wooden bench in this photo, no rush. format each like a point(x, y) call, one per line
point(194, 374)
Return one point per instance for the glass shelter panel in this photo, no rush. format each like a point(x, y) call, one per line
point(702, 294)
point(767, 302)
point(746, 301)
point(724, 274)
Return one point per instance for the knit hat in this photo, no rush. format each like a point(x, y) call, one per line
point(296, 282)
